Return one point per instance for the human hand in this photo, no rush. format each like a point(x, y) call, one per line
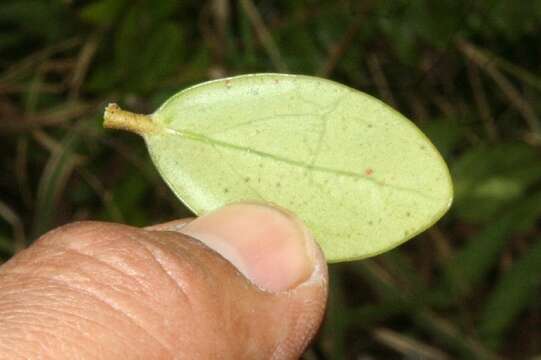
point(98, 290)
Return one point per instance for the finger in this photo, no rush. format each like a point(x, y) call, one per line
point(96, 290)
point(174, 225)
point(275, 251)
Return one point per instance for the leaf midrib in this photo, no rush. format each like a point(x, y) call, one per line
point(190, 135)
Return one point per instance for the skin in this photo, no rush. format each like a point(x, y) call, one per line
point(94, 290)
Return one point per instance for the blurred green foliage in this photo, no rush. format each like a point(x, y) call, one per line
point(467, 72)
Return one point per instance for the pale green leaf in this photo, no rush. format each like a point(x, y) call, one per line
point(360, 175)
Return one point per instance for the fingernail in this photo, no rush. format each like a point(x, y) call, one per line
point(270, 247)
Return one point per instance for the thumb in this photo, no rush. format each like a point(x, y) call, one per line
point(256, 289)
point(288, 273)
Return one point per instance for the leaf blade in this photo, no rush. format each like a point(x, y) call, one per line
point(359, 174)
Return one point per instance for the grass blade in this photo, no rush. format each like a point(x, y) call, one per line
point(471, 265)
point(522, 281)
point(52, 183)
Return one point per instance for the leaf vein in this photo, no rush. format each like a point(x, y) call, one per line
point(190, 135)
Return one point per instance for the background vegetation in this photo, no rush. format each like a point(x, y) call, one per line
point(467, 72)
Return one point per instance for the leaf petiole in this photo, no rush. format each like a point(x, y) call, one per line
point(116, 118)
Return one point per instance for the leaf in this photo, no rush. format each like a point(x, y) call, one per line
point(489, 178)
point(163, 49)
point(472, 264)
point(360, 175)
point(399, 301)
point(523, 281)
point(45, 20)
point(102, 12)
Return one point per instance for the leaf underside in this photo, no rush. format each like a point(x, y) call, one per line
point(361, 176)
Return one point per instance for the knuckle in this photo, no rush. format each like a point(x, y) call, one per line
point(78, 233)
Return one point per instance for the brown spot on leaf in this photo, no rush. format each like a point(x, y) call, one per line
point(368, 171)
